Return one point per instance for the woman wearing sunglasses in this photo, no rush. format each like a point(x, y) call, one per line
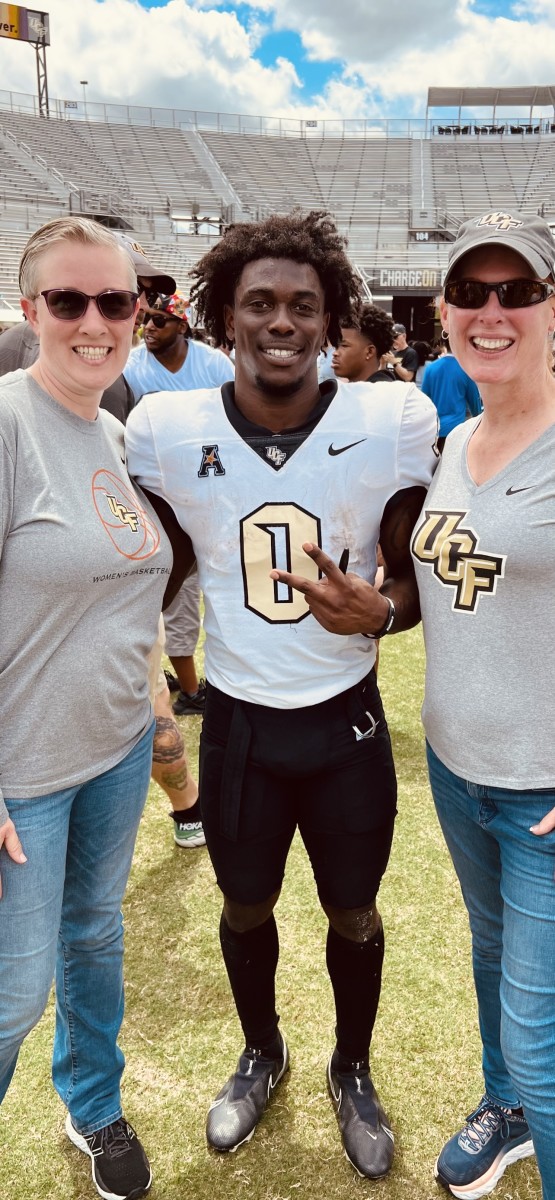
point(484, 550)
point(83, 568)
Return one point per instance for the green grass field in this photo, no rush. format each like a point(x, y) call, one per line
point(181, 1036)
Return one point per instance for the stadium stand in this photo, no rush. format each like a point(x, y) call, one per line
point(175, 178)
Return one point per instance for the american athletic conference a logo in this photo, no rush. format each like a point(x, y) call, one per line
point(443, 542)
point(210, 461)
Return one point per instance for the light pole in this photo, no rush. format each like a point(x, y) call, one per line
point(84, 83)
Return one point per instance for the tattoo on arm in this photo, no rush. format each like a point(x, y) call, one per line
point(168, 742)
point(177, 780)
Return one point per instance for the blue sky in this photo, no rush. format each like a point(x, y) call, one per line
point(283, 43)
point(289, 58)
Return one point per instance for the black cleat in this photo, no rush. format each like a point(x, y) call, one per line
point(237, 1109)
point(365, 1129)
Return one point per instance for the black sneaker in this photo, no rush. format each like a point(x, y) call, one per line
point(172, 681)
point(474, 1159)
point(120, 1167)
point(365, 1129)
point(237, 1109)
point(191, 706)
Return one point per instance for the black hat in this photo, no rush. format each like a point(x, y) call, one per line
point(160, 282)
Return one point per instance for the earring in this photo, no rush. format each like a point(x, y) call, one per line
point(445, 335)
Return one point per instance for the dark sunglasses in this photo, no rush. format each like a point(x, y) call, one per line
point(67, 304)
point(158, 320)
point(515, 293)
point(151, 295)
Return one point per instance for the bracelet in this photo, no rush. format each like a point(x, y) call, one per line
point(388, 623)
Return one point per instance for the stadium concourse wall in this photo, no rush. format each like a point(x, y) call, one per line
point(176, 177)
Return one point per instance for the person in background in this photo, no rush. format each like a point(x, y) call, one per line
point(363, 344)
point(171, 360)
point(324, 363)
point(423, 350)
point(403, 358)
point(84, 565)
point(454, 394)
point(19, 347)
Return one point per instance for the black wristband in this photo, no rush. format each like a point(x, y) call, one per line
point(388, 623)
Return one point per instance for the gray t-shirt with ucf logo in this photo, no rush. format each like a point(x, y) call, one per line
point(83, 568)
point(484, 563)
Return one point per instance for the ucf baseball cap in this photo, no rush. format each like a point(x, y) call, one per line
point(161, 282)
point(529, 236)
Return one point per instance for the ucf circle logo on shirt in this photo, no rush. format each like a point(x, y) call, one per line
point(450, 547)
point(129, 527)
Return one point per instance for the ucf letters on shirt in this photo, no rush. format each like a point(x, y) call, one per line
point(484, 563)
point(246, 515)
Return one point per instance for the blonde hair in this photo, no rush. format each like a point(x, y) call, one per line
point(65, 229)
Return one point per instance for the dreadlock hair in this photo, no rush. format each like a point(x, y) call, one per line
point(375, 325)
point(303, 237)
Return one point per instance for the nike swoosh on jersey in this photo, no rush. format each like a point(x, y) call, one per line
point(341, 449)
point(513, 491)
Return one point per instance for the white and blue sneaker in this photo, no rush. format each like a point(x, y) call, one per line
point(473, 1160)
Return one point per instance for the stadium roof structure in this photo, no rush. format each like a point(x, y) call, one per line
point(491, 97)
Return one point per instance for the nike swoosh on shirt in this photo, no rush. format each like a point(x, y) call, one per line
point(341, 449)
point(513, 491)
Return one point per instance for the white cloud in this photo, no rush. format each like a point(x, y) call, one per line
point(195, 54)
point(176, 56)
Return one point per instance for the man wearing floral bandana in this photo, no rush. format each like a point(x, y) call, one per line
point(169, 360)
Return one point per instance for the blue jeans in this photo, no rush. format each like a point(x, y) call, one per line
point(60, 915)
point(507, 880)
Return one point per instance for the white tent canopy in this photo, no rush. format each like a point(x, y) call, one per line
point(491, 98)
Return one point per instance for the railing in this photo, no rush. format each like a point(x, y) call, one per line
point(185, 118)
point(42, 163)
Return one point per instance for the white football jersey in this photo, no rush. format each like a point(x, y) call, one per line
point(245, 517)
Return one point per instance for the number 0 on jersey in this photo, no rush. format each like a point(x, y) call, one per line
point(272, 538)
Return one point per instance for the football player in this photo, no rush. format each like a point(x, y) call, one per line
point(294, 732)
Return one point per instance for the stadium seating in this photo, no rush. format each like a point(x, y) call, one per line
point(398, 197)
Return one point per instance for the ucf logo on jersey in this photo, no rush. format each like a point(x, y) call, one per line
point(276, 456)
point(450, 547)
